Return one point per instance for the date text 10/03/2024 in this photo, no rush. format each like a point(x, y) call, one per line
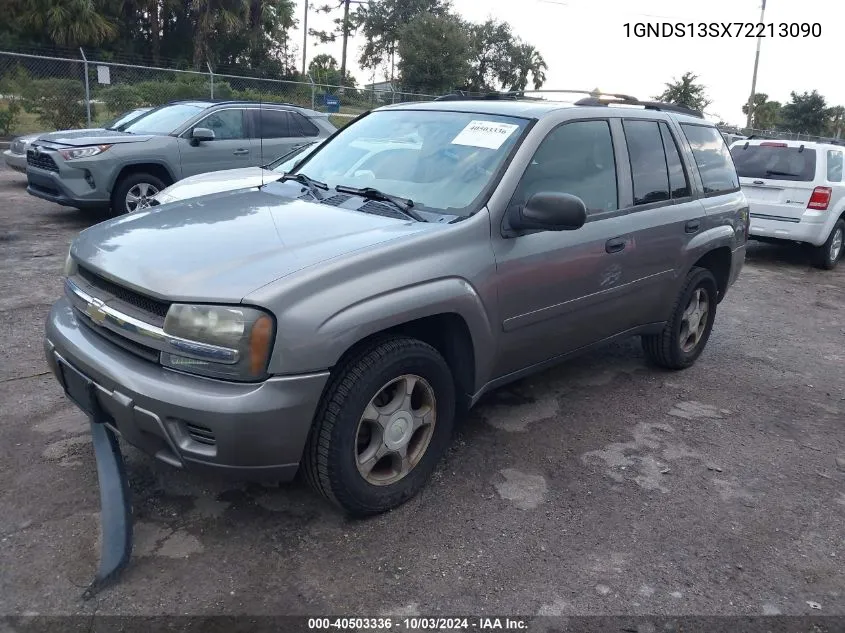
point(722, 29)
point(418, 624)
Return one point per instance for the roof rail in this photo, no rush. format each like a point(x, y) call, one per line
point(594, 98)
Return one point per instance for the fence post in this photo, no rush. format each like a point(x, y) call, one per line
point(313, 91)
point(211, 78)
point(87, 88)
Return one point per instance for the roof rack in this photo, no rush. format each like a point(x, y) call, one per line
point(594, 98)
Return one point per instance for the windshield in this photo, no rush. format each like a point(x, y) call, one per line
point(442, 161)
point(288, 161)
point(125, 118)
point(166, 119)
point(774, 161)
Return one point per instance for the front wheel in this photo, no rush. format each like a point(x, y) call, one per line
point(382, 425)
point(135, 192)
point(686, 333)
point(827, 255)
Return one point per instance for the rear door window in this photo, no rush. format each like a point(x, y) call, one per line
point(775, 161)
point(678, 183)
point(648, 161)
point(273, 124)
point(718, 174)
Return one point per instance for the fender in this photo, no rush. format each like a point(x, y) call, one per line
point(715, 237)
point(120, 166)
point(340, 331)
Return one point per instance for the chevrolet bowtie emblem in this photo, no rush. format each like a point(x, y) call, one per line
point(95, 311)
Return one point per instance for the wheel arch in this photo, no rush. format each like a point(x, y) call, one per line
point(157, 168)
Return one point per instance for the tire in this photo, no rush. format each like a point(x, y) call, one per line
point(336, 443)
point(828, 254)
point(143, 181)
point(670, 348)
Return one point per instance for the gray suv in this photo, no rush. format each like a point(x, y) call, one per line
point(123, 169)
point(338, 320)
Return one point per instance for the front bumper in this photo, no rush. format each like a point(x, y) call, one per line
point(67, 187)
point(251, 431)
point(15, 161)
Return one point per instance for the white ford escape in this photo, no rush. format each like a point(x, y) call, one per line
point(796, 192)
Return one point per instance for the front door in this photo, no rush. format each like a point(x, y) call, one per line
point(230, 149)
point(559, 291)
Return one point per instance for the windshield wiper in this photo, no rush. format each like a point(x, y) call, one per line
point(774, 172)
point(405, 205)
point(314, 186)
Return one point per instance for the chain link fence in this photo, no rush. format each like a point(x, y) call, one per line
point(786, 135)
point(40, 93)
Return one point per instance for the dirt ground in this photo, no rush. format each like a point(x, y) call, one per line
point(600, 487)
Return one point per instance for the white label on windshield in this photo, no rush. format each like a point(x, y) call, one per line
point(488, 134)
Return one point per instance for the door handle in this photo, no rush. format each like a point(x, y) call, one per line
point(241, 152)
point(615, 245)
point(692, 226)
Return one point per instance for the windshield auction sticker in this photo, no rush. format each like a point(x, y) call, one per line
point(487, 134)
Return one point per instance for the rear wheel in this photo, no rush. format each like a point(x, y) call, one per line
point(134, 192)
point(686, 333)
point(382, 425)
point(828, 254)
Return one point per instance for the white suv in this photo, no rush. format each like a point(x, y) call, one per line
point(796, 192)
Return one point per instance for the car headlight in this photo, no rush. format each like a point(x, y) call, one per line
point(219, 341)
point(70, 264)
point(83, 152)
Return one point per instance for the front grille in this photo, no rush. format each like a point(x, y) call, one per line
point(200, 434)
point(41, 161)
point(147, 353)
point(152, 310)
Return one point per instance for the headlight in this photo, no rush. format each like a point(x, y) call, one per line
point(218, 341)
point(70, 265)
point(83, 152)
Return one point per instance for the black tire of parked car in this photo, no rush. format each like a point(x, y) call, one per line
point(823, 256)
point(330, 460)
point(665, 349)
point(118, 196)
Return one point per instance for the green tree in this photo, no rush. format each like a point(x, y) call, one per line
point(766, 114)
point(66, 22)
point(381, 21)
point(685, 91)
point(324, 70)
point(498, 58)
point(835, 121)
point(805, 113)
point(433, 53)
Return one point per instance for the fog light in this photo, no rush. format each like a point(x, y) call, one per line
point(89, 179)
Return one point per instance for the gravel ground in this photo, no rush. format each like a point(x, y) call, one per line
point(600, 487)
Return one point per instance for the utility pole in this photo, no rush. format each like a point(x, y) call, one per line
point(345, 39)
point(304, 37)
point(754, 76)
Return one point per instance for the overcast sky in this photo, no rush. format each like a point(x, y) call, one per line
point(585, 45)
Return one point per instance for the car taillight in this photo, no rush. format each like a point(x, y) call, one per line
point(820, 199)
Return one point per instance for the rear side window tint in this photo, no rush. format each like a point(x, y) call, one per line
point(775, 161)
point(273, 124)
point(306, 128)
point(718, 174)
point(834, 166)
point(678, 183)
point(648, 161)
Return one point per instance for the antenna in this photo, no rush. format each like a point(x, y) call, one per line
point(261, 136)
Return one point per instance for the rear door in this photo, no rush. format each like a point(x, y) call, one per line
point(230, 148)
point(276, 132)
point(777, 178)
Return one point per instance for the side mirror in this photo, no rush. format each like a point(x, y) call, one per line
point(199, 134)
point(549, 211)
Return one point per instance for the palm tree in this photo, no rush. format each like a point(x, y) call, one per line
point(525, 60)
point(68, 22)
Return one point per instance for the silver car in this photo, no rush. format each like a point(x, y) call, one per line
point(122, 170)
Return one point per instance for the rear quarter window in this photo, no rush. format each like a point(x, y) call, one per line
point(774, 161)
point(834, 165)
point(712, 157)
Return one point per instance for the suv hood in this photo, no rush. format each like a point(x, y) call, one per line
point(216, 182)
point(222, 247)
point(79, 138)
